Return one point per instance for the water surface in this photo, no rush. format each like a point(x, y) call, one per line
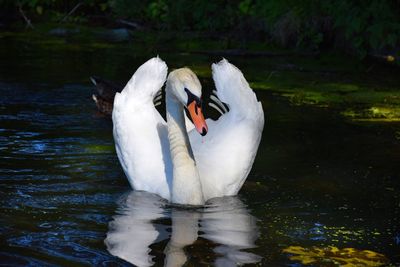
point(318, 180)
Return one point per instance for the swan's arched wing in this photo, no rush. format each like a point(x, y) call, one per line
point(140, 133)
point(224, 156)
point(233, 89)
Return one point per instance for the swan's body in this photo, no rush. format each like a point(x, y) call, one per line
point(162, 158)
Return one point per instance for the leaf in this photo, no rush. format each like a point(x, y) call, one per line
point(39, 10)
point(103, 6)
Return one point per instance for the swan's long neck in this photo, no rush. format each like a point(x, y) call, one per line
point(186, 186)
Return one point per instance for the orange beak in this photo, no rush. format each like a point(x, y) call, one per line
point(197, 117)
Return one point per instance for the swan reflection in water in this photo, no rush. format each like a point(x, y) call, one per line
point(225, 222)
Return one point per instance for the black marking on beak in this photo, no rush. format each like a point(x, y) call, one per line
point(203, 132)
point(192, 97)
point(188, 115)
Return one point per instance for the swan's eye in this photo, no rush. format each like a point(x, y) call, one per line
point(192, 97)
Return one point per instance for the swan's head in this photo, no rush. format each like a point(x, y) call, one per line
point(186, 88)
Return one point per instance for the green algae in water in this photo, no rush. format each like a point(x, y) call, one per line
point(374, 114)
point(328, 256)
point(382, 104)
point(92, 148)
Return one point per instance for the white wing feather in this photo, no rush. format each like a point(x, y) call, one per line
point(140, 133)
point(233, 89)
point(226, 154)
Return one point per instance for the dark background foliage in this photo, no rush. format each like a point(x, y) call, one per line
point(354, 26)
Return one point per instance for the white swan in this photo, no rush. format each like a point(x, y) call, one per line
point(162, 158)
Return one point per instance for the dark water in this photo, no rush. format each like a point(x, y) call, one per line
point(318, 181)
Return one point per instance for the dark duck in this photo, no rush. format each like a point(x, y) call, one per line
point(106, 90)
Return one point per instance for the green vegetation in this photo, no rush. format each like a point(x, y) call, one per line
point(358, 27)
point(307, 51)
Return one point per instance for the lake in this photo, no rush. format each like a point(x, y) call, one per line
point(323, 190)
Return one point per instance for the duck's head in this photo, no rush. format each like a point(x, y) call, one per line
point(186, 88)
